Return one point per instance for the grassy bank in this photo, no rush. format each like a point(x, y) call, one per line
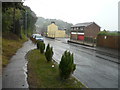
point(41, 74)
point(10, 44)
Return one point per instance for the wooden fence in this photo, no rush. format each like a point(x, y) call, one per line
point(108, 41)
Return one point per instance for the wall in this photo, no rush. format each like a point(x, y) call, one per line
point(53, 31)
point(92, 30)
point(52, 28)
point(109, 42)
point(73, 36)
point(60, 33)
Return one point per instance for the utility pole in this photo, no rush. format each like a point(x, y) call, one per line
point(14, 18)
point(26, 23)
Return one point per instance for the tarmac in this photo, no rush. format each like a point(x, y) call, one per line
point(115, 53)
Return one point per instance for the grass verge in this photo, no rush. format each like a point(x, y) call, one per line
point(10, 44)
point(41, 74)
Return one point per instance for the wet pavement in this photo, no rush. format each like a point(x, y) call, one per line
point(95, 70)
point(14, 75)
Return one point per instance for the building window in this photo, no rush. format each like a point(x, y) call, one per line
point(74, 28)
point(71, 28)
point(81, 29)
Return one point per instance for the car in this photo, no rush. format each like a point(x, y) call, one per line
point(33, 35)
point(38, 37)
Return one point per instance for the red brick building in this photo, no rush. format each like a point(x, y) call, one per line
point(82, 30)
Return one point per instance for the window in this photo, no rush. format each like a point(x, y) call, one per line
point(81, 29)
point(71, 28)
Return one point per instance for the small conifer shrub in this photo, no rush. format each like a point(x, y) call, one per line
point(66, 66)
point(49, 53)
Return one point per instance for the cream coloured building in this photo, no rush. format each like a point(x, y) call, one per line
point(52, 31)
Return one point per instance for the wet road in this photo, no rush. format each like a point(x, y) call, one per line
point(14, 75)
point(93, 69)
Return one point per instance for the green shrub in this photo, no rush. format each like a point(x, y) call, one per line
point(49, 53)
point(38, 44)
point(48, 46)
point(42, 47)
point(90, 39)
point(66, 65)
point(109, 33)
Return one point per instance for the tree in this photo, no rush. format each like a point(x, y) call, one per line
point(7, 20)
point(49, 53)
point(38, 44)
point(15, 11)
point(66, 66)
point(42, 47)
point(18, 19)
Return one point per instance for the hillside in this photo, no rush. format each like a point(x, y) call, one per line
point(42, 24)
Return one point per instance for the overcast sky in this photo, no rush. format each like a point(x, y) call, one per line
point(103, 12)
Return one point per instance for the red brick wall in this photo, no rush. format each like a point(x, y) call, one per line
point(92, 30)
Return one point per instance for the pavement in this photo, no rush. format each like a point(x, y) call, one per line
point(82, 43)
point(15, 74)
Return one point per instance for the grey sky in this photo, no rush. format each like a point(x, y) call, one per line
point(103, 12)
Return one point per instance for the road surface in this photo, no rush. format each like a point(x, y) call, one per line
point(93, 69)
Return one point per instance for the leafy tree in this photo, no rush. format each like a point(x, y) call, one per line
point(49, 53)
point(18, 19)
point(66, 65)
point(7, 20)
point(15, 8)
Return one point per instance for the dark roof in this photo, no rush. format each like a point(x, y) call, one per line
point(53, 22)
point(83, 24)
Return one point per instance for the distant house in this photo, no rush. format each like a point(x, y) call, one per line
point(53, 32)
point(82, 30)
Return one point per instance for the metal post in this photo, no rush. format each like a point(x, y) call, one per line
point(92, 41)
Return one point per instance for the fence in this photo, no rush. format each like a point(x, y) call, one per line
point(108, 41)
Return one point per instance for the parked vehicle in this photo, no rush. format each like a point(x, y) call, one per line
point(37, 37)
